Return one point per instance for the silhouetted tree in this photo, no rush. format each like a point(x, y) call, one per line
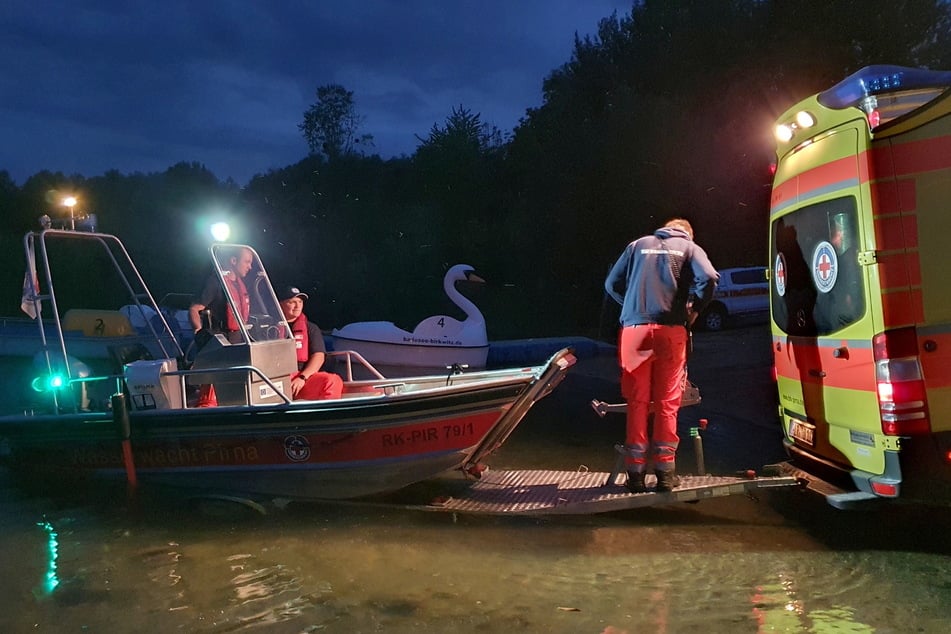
point(331, 125)
point(454, 164)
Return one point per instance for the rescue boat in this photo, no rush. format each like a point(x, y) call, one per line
point(133, 416)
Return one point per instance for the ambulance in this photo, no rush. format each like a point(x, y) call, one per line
point(860, 287)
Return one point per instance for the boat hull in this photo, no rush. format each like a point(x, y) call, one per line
point(396, 359)
point(306, 450)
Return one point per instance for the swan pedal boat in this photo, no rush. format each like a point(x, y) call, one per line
point(133, 415)
point(436, 342)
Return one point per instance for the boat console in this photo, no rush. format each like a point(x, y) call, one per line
point(230, 370)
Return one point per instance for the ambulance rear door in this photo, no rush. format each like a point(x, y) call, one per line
point(820, 229)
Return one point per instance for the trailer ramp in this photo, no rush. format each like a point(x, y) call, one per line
point(582, 492)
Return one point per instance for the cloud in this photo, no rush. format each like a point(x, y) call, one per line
point(141, 85)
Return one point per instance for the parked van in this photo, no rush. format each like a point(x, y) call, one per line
point(742, 293)
point(860, 286)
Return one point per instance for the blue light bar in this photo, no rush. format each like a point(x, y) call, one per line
point(875, 80)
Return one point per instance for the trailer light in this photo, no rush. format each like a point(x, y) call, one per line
point(874, 119)
point(805, 120)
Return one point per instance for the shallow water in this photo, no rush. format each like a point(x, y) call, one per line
point(784, 562)
point(733, 565)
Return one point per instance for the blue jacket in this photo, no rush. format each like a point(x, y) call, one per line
point(642, 281)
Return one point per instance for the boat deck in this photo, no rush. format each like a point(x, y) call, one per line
point(539, 492)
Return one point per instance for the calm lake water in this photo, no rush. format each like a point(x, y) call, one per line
point(784, 562)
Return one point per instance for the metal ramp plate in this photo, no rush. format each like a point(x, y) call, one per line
point(536, 492)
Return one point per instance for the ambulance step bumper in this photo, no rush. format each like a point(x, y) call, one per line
point(837, 497)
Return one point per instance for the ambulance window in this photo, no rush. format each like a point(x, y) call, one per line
point(817, 285)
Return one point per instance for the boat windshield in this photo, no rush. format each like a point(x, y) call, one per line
point(248, 291)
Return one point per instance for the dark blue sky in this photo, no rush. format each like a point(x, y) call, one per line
point(140, 85)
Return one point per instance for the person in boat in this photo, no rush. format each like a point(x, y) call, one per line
point(665, 280)
point(211, 298)
point(309, 383)
point(213, 305)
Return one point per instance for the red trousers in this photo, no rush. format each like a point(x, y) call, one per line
point(320, 386)
point(652, 359)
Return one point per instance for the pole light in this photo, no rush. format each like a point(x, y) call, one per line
point(70, 201)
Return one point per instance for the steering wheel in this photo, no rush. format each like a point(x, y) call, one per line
point(263, 327)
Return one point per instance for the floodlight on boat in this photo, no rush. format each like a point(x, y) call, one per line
point(220, 231)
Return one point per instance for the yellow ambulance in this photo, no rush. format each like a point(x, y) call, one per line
point(860, 286)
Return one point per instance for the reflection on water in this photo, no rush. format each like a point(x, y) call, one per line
point(731, 565)
point(50, 579)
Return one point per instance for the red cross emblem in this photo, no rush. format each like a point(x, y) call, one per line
point(780, 274)
point(824, 267)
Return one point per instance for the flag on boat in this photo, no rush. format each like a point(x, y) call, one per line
point(31, 288)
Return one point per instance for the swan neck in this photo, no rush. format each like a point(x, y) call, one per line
point(460, 300)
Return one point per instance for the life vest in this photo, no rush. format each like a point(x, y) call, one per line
point(239, 293)
point(299, 330)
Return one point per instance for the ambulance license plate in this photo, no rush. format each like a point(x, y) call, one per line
point(803, 432)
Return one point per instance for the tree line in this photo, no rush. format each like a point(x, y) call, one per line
point(667, 110)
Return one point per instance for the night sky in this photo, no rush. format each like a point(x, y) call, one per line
point(140, 85)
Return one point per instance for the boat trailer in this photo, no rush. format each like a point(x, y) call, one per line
point(582, 492)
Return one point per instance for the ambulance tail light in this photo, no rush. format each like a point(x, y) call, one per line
point(902, 400)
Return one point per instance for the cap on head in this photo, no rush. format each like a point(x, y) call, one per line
point(290, 292)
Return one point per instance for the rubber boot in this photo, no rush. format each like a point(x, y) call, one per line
point(635, 482)
point(667, 480)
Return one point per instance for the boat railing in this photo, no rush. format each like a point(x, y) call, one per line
point(347, 358)
point(249, 371)
point(157, 393)
point(85, 398)
point(109, 249)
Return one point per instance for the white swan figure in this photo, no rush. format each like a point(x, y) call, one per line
point(436, 342)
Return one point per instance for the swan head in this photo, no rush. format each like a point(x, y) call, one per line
point(460, 273)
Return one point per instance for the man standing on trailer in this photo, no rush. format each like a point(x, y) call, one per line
point(666, 280)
